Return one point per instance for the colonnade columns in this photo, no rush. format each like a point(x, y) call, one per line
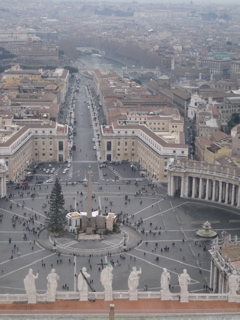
point(238, 197)
point(182, 187)
point(220, 192)
point(200, 188)
point(226, 192)
point(207, 189)
point(193, 187)
point(214, 190)
point(233, 194)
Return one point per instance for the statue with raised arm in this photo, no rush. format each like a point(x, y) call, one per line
point(29, 284)
point(52, 283)
point(184, 280)
point(106, 280)
point(233, 284)
point(133, 283)
point(83, 285)
point(165, 282)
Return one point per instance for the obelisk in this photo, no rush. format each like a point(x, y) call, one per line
point(89, 204)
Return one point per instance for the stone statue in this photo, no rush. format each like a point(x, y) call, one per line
point(83, 285)
point(233, 283)
point(133, 283)
point(184, 280)
point(29, 284)
point(52, 283)
point(164, 282)
point(106, 280)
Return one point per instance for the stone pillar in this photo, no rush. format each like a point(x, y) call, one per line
point(193, 187)
point(214, 190)
point(226, 192)
point(220, 280)
point(215, 279)
point(200, 189)
point(238, 197)
point(207, 189)
point(172, 186)
point(233, 194)
point(182, 187)
point(169, 184)
point(220, 192)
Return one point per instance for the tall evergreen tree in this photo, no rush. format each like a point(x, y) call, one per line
point(56, 217)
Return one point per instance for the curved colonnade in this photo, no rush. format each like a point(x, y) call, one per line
point(205, 181)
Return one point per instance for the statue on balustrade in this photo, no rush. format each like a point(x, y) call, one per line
point(184, 280)
point(83, 284)
point(30, 287)
point(133, 283)
point(106, 280)
point(165, 283)
point(52, 284)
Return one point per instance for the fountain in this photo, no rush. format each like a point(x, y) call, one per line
point(206, 231)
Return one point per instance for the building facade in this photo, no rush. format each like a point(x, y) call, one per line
point(137, 143)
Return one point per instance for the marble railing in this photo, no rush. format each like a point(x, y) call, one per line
point(70, 295)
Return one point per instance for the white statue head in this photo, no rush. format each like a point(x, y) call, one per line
point(84, 269)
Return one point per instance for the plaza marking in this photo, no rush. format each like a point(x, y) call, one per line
point(31, 210)
point(211, 205)
point(202, 222)
point(147, 208)
point(234, 221)
point(171, 259)
point(160, 213)
point(22, 256)
point(14, 213)
point(27, 265)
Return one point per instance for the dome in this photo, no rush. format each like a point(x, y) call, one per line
point(75, 214)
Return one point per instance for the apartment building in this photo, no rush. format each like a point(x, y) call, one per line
point(32, 142)
point(137, 143)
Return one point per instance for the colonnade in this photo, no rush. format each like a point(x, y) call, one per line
point(187, 185)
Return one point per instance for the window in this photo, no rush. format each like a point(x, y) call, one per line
point(174, 151)
point(50, 131)
point(43, 143)
point(36, 154)
point(50, 142)
point(43, 132)
point(133, 143)
point(109, 145)
point(60, 146)
point(118, 154)
point(125, 143)
point(119, 143)
point(43, 154)
point(36, 132)
point(36, 142)
point(50, 154)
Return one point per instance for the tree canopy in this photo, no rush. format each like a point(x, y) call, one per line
point(56, 217)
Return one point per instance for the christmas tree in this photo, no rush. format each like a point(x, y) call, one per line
point(56, 218)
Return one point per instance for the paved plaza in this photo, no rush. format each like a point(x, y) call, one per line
point(167, 227)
